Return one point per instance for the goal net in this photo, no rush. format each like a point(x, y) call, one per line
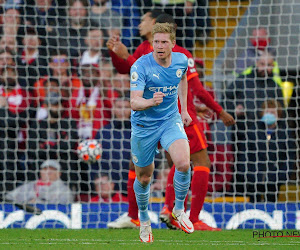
point(61, 88)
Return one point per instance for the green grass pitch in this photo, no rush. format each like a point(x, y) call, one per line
point(129, 239)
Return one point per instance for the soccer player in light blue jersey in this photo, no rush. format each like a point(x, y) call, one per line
point(157, 79)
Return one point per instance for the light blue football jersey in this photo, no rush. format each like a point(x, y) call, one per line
point(147, 75)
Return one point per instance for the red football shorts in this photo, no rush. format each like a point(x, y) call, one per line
point(197, 139)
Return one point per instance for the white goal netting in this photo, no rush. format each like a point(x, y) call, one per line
point(59, 87)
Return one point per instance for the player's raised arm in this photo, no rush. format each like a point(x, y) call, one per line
point(182, 93)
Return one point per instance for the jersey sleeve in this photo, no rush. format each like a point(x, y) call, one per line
point(137, 77)
point(122, 66)
point(201, 93)
point(185, 65)
point(192, 72)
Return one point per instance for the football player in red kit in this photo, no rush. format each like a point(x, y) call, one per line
point(122, 61)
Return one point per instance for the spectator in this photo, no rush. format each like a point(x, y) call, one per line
point(121, 83)
point(11, 26)
point(91, 103)
point(258, 44)
point(49, 188)
point(106, 192)
point(14, 105)
point(107, 19)
point(60, 69)
point(270, 154)
point(9, 43)
point(74, 32)
point(51, 85)
point(31, 60)
point(94, 41)
point(106, 73)
point(12, 4)
point(244, 97)
point(45, 16)
point(7, 60)
point(115, 140)
point(54, 137)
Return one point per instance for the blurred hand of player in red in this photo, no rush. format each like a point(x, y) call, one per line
point(110, 43)
point(227, 119)
point(118, 47)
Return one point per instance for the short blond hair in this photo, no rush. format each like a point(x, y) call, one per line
point(164, 28)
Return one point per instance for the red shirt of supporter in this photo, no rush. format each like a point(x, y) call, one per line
point(91, 110)
point(44, 84)
point(17, 99)
point(91, 104)
point(116, 197)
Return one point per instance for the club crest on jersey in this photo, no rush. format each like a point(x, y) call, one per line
point(179, 73)
point(134, 76)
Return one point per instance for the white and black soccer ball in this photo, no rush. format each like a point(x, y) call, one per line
point(89, 151)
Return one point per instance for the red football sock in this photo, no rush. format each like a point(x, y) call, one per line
point(170, 193)
point(133, 210)
point(199, 189)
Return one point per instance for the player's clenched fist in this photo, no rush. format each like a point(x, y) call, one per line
point(158, 98)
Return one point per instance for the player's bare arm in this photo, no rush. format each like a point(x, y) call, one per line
point(227, 119)
point(121, 50)
point(139, 103)
point(182, 93)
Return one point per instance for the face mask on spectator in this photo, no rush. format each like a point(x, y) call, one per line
point(260, 44)
point(269, 119)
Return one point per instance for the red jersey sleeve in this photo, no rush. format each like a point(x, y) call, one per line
point(203, 95)
point(195, 85)
point(123, 66)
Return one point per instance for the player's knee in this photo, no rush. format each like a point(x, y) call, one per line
point(183, 165)
point(145, 180)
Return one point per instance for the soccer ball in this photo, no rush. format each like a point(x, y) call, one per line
point(89, 151)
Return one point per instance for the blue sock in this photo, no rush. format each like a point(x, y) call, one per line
point(142, 194)
point(181, 182)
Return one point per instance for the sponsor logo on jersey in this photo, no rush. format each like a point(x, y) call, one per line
point(156, 75)
point(179, 73)
point(163, 89)
point(191, 62)
point(134, 76)
point(167, 90)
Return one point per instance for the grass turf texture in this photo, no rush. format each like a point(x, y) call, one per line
point(129, 239)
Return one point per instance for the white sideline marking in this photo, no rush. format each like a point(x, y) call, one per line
point(136, 242)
